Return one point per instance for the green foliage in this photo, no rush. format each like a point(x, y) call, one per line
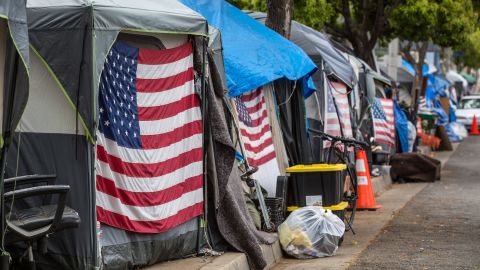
point(470, 51)
point(255, 5)
point(313, 13)
point(444, 22)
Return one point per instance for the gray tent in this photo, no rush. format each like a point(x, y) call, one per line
point(14, 62)
point(14, 65)
point(69, 43)
point(319, 49)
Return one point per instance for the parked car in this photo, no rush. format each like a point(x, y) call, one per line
point(467, 108)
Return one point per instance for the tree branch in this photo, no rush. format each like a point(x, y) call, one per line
point(337, 31)
point(366, 14)
point(346, 14)
point(405, 50)
point(378, 24)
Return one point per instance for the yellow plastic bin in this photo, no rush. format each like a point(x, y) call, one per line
point(316, 184)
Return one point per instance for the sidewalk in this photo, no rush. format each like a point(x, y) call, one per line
point(368, 224)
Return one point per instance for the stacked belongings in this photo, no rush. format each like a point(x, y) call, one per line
point(415, 167)
point(254, 56)
point(341, 76)
point(327, 109)
point(68, 105)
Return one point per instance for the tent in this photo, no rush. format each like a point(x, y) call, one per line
point(254, 55)
point(453, 77)
point(14, 66)
point(319, 49)
point(56, 134)
point(470, 78)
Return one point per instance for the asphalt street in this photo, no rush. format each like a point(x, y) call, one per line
point(440, 227)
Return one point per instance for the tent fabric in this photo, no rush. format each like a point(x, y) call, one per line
point(436, 87)
point(470, 78)
point(72, 22)
point(70, 39)
point(14, 65)
point(453, 76)
point(254, 55)
point(401, 126)
point(15, 13)
point(319, 48)
point(426, 69)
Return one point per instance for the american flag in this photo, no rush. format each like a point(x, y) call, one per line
point(149, 148)
point(257, 139)
point(332, 124)
point(383, 121)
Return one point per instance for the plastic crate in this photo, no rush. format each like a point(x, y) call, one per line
point(316, 184)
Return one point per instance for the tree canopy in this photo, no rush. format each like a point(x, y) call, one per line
point(448, 23)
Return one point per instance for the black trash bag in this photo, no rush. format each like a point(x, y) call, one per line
point(414, 167)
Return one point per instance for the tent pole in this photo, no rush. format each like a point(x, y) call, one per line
point(204, 151)
point(11, 68)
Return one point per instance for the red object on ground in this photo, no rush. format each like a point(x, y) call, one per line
point(474, 129)
point(366, 197)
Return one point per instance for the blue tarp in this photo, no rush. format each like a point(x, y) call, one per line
point(409, 68)
point(254, 55)
point(401, 125)
point(436, 86)
point(442, 120)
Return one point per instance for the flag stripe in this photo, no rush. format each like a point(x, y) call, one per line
point(150, 156)
point(258, 148)
point(337, 111)
point(260, 161)
point(165, 139)
point(163, 84)
point(260, 121)
point(255, 109)
point(250, 96)
point(163, 71)
point(156, 57)
point(383, 121)
point(144, 213)
point(169, 124)
point(168, 110)
point(256, 129)
point(152, 169)
point(151, 226)
point(149, 184)
point(144, 198)
point(150, 99)
point(257, 135)
point(149, 164)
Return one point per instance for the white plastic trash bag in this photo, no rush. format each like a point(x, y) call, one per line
point(459, 129)
point(412, 135)
point(311, 232)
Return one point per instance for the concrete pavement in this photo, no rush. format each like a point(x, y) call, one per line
point(367, 226)
point(439, 228)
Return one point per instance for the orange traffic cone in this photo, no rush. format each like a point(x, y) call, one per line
point(419, 126)
point(474, 129)
point(366, 198)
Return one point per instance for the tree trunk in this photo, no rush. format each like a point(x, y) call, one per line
point(279, 16)
point(366, 55)
point(417, 85)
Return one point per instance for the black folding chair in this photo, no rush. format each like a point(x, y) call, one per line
point(35, 224)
